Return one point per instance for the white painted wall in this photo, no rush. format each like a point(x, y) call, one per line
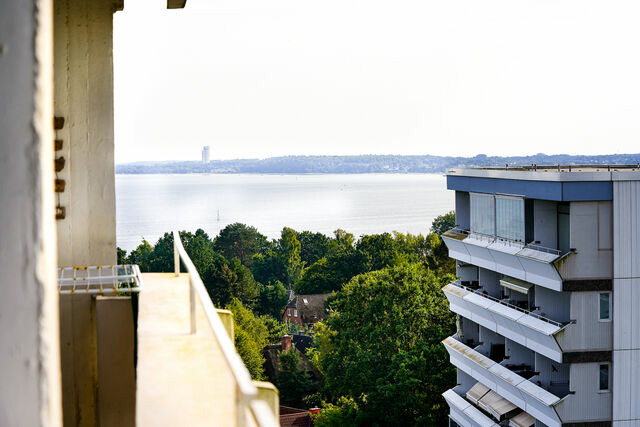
point(588, 333)
point(84, 97)
point(588, 404)
point(29, 354)
point(589, 224)
point(626, 303)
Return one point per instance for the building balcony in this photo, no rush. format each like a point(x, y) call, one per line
point(525, 327)
point(522, 392)
point(463, 412)
point(532, 263)
point(175, 364)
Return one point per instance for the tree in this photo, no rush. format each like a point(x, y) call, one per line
point(344, 413)
point(142, 255)
point(313, 246)
point(282, 263)
point(375, 252)
point(443, 223)
point(273, 298)
point(293, 382)
point(240, 241)
point(250, 338)
point(227, 280)
point(382, 347)
point(121, 256)
point(275, 328)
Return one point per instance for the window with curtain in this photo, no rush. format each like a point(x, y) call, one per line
point(510, 217)
point(482, 213)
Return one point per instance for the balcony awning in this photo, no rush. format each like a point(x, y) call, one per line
point(496, 405)
point(522, 420)
point(476, 392)
point(516, 284)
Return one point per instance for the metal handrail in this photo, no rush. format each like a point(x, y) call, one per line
point(491, 238)
point(515, 307)
point(247, 392)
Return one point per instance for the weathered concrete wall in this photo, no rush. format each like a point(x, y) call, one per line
point(84, 97)
point(83, 84)
point(29, 354)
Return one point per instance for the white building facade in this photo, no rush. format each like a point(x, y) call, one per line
point(547, 296)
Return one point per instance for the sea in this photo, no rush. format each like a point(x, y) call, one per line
point(149, 205)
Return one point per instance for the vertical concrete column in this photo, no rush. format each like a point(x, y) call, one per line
point(626, 303)
point(83, 84)
point(83, 76)
point(29, 354)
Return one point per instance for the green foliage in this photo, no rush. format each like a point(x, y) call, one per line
point(344, 413)
point(275, 328)
point(242, 242)
point(443, 223)
point(162, 260)
point(332, 272)
point(313, 246)
point(251, 336)
point(282, 263)
point(121, 256)
point(227, 280)
point(293, 382)
point(142, 255)
point(273, 298)
point(381, 347)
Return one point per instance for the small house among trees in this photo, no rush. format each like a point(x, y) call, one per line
point(306, 309)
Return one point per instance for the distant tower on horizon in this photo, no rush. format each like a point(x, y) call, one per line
point(205, 154)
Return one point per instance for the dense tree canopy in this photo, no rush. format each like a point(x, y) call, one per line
point(381, 346)
point(242, 242)
point(251, 336)
point(443, 223)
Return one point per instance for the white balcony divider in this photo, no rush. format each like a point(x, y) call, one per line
point(251, 411)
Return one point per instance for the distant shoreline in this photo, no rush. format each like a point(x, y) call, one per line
point(363, 164)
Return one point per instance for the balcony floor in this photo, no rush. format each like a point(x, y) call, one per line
point(182, 379)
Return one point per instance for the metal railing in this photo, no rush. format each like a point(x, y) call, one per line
point(491, 238)
point(251, 410)
point(99, 279)
point(515, 307)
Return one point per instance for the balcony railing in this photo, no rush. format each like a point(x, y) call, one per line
point(251, 410)
point(461, 233)
point(515, 307)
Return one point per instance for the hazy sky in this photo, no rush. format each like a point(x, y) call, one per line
point(261, 78)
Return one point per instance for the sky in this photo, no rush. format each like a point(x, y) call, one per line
point(263, 78)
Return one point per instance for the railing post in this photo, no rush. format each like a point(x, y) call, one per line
point(192, 305)
point(176, 255)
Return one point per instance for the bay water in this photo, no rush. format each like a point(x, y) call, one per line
point(149, 205)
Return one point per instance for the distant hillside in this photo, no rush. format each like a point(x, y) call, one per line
point(365, 164)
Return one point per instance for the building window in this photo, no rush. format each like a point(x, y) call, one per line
point(604, 377)
point(510, 218)
point(295, 313)
point(604, 299)
point(483, 218)
point(289, 312)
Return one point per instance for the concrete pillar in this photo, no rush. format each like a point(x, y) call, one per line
point(83, 84)
point(29, 354)
point(83, 77)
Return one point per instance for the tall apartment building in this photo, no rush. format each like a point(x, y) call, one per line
point(206, 156)
point(548, 296)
